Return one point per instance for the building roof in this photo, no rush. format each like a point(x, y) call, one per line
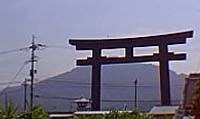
point(163, 110)
point(82, 99)
point(60, 114)
point(94, 112)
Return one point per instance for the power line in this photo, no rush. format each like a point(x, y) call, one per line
point(106, 84)
point(13, 91)
point(13, 50)
point(19, 71)
point(8, 73)
point(56, 97)
point(77, 86)
point(103, 100)
point(57, 46)
point(33, 47)
point(139, 100)
point(13, 79)
point(10, 83)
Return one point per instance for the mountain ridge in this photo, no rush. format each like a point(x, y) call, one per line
point(58, 92)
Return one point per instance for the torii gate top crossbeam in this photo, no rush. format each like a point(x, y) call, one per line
point(112, 43)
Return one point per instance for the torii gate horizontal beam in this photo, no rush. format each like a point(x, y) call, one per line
point(135, 59)
point(112, 43)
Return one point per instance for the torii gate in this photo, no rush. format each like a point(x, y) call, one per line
point(163, 57)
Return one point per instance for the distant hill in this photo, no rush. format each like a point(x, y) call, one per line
point(56, 93)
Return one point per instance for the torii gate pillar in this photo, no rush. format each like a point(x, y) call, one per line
point(96, 84)
point(164, 75)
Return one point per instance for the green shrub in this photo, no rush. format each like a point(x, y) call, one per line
point(37, 112)
point(9, 111)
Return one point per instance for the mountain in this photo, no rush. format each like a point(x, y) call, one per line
point(57, 93)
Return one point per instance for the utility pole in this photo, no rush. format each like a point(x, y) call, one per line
point(32, 71)
point(135, 101)
point(25, 92)
point(33, 48)
point(6, 100)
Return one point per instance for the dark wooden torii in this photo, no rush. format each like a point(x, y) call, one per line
point(163, 57)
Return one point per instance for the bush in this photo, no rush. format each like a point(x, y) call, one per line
point(37, 112)
point(9, 111)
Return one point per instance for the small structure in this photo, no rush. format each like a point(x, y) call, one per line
point(83, 104)
point(160, 112)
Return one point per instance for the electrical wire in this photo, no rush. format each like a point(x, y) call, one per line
point(55, 97)
point(58, 46)
point(105, 84)
point(77, 86)
point(8, 73)
point(13, 91)
point(13, 79)
point(139, 100)
point(103, 100)
point(13, 50)
point(11, 82)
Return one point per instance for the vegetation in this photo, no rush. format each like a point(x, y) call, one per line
point(195, 111)
point(118, 115)
point(37, 112)
point(9, 111)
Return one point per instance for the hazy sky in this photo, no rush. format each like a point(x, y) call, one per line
point(55, 21)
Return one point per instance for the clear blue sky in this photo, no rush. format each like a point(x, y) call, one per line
point(55, 21)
